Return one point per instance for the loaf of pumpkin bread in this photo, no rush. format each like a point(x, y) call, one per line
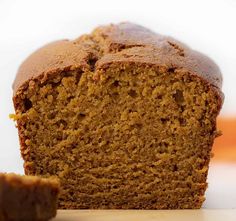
point(124, 117)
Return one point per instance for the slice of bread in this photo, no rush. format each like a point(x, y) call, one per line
point(124, 117)
point(27, 198)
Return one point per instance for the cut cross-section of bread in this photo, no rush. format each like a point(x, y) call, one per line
point(124, 117)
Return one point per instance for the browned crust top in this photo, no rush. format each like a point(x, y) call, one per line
point(125, 42)
point(13, 179)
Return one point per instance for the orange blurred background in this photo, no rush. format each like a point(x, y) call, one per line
point(224, 148)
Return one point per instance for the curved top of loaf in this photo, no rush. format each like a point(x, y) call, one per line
point(125, 42)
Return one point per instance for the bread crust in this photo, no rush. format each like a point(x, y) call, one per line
point(24, 198)
point(125, 42)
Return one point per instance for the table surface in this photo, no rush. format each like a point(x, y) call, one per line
point(147, 215)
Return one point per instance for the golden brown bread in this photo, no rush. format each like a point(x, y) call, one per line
point(27, 198)
point(140, 44)
point(124, 117)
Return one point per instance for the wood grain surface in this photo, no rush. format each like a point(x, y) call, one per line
point(146, 215)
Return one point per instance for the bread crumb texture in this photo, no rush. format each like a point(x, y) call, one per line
point(120, 132)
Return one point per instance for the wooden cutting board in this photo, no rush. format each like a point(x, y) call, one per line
point(147, 215)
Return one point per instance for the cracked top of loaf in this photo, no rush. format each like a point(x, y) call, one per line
point(125, 42)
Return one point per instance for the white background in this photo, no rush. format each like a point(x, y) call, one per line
point(206, 25)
